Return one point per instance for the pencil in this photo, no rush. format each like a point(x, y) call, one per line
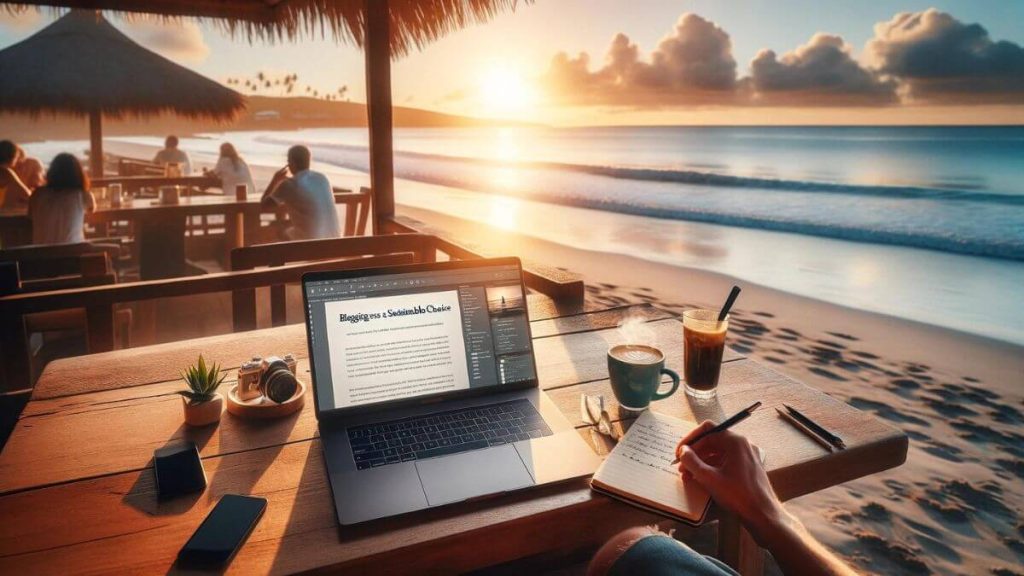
point(729, 423)
point(807, 431)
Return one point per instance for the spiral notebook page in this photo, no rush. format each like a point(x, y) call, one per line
point(640, 468)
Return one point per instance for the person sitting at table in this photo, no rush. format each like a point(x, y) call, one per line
point(29, 169)
point(730, 469)
point(232, 170)
point(58, 209)
point(306, 196)
point(13, 192)
point(171, 154)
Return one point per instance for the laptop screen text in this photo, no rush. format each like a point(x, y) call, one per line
point(398, 336)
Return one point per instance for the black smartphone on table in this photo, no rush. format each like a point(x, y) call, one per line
point(223, 531)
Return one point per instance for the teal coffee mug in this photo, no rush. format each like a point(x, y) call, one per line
point(635, 371)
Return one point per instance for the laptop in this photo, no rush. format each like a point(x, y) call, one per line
point(426, 391)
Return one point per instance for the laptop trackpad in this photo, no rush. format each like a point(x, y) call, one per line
point(462, 476)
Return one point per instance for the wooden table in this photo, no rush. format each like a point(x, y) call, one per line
point(77, 493)
point(159, 228)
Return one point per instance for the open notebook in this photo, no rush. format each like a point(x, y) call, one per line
point(639, 470)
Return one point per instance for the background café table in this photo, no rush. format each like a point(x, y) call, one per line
point(77, 491)
point(160, 228)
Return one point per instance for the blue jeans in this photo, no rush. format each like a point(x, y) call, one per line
point(659, 555)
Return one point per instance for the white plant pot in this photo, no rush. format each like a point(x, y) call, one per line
point(203, 413)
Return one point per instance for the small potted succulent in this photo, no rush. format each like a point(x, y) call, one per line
point(202, 403)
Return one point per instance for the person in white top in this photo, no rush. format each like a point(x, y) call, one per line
point(171, 154)
point(232, 170)
point(58, 209)
point(306, 196)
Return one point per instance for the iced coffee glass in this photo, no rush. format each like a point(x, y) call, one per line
point(703, 345)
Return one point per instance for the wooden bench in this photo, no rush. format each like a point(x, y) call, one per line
point(417, 247)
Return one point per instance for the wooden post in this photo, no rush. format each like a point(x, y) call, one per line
point(377, 46)
point(95, 144)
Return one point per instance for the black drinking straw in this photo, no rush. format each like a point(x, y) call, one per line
point(728, 303)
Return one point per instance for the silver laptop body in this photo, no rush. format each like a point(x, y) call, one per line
point(426, 390)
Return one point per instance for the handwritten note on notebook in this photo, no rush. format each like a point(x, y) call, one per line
point(639, 470)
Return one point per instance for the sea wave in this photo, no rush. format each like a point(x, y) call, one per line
point(957, 221)
point(703, 178)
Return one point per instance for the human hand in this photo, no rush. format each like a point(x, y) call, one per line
point(729, 467)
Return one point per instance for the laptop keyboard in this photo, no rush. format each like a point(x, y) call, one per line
point(445, 433)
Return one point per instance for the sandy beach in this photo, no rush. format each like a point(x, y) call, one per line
point(955, 507)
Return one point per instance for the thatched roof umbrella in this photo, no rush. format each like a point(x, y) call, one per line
point(82, 65)
point(383, 28)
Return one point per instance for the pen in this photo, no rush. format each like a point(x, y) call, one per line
point(729, 423)
point(818, 428)
point(810, 433)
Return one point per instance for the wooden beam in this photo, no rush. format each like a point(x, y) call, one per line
point(95, 144)
point(378, 108)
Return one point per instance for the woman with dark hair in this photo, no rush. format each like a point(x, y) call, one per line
point(232, 170)
point(58, 209)
point(13, 192)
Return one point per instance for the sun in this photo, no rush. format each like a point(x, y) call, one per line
point(504, 91)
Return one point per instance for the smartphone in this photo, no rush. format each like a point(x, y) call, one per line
point(223, 531)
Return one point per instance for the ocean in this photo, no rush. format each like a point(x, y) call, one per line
point(923, 223)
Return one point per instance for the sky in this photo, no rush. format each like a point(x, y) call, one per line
point(662, 62)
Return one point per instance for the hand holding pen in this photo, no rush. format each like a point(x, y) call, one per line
point(705, 431)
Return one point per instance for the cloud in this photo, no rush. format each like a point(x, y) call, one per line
point(822, 72)
point(942, 60)
point(181, 41)
point(692, 65)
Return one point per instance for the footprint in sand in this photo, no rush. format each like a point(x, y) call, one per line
point(843, 336)
point(944, 451)
point(867, 355)
point(887, 412)
point(828, 374)
point(900, 556)
point(829, 344)
point(949, 410)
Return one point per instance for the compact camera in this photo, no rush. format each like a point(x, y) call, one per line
point(271, 377)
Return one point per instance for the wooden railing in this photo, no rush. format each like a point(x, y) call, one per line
point(556, 283)
point(421, 247)
point(99, 302)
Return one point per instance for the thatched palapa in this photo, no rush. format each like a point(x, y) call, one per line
point(414, 23)
point(82, 65)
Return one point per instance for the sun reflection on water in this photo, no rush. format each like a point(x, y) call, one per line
point(504, 212)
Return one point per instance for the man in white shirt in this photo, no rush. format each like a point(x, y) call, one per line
point(306, 196)
point(171, 154)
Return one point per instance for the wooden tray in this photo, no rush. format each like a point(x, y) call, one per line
point(263, 409)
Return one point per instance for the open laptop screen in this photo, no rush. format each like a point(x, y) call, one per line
point(396, 336)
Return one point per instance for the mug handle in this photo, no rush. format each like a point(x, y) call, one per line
point(675, 385)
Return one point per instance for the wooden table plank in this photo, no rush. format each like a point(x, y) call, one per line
point(101, 520)
point(86, 425)
point(113, 522)
point(161, 362)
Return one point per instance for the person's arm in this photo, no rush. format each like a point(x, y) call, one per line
point(17, 192)
point(268, 195)
point(730, 469)
point(89, 201)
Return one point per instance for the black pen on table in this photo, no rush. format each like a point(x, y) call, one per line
point(818, 429)
point(729, 423)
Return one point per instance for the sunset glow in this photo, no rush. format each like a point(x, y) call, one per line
point(505, 91)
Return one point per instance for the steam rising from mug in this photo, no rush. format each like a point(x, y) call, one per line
point(634, 329)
